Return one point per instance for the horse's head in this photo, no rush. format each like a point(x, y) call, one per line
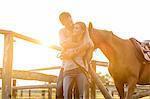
point(92, 34)
point(98, 36)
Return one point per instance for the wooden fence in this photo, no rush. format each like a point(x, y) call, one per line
point(7, 73)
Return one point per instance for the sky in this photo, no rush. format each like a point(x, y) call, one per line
point(39, 19)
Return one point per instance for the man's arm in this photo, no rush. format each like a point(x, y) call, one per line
point(85, 44)
point(79, 50)
point(66, 42)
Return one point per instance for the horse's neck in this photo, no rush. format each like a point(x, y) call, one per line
point(111, 46)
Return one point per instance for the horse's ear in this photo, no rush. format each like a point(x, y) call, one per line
point(90, 27)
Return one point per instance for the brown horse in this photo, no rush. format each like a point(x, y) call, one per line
point(124, 65)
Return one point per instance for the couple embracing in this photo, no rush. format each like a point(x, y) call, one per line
point(77, 48)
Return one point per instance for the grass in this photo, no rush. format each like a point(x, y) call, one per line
point(37, 94)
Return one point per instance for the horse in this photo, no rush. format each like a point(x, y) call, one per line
point(124, 64)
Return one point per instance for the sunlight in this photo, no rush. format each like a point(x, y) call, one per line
point(39, 19)
point(33, 56)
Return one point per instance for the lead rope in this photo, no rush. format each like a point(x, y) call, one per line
point(87, 75)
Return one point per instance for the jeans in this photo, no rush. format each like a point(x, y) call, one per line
point(74, 76)
point(59, 87)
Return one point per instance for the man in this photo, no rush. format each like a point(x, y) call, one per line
point(65, 35)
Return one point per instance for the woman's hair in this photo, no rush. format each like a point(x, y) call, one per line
point(83, 32)
point(82, 24)
point(63, 16)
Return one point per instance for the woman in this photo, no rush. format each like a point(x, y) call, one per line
point(72, 72)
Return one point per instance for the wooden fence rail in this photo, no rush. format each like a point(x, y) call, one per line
point(98, 63)
point(144, 90)
point(28, 75)
point(20, 36)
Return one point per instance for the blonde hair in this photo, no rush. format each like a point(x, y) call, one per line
point(83, 26)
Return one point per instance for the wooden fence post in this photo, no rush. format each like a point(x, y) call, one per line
point(93, 89)
point(14, 91)
point(50, 92)
point(29, 93)
point(99, 84)
point(7, 66)
point(43, 94)
point(21, 93)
